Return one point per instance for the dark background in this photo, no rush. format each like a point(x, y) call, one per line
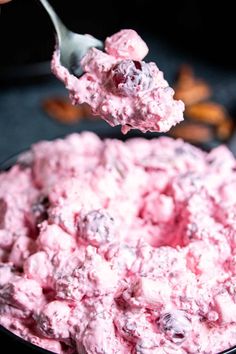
point(200, 33)
point(202, 28)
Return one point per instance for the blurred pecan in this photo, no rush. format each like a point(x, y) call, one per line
point(193, 133)
point(207, 112)
point(62, 110)
point(190, 89)
point(225, 129)
point(185, 76)
point(87, 111)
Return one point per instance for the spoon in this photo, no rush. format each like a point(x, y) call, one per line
point(72, 46)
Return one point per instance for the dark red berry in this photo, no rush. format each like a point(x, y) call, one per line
point(129, 77)
point(175, 325)
point(39, 209)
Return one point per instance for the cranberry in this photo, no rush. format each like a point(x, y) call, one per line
point(39, 209)
point(175, 325)
point(97, 227)
point(129, 77)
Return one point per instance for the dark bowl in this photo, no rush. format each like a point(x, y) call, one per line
point(16, 344)
point(11, 341)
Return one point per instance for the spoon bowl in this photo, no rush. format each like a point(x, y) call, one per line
point(72, 46)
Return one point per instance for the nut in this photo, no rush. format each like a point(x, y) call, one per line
point(207, 112)
point(225, 129)
point(190, 89)
point(62, 110)
point(192, 132)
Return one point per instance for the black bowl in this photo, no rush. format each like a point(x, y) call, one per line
point(15, 344)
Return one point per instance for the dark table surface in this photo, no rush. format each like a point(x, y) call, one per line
point(23, 121)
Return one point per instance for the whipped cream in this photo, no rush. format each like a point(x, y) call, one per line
point(121, 88)
point(120, 247)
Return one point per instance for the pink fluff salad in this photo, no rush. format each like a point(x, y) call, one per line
point(120, 247)
point(121, 88)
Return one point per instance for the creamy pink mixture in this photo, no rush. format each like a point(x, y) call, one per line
point(121, 88)
point(113, 247)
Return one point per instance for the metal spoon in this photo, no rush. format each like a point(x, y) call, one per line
point(72, 46)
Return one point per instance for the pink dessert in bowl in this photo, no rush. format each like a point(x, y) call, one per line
point(122, 88)
point(119, 247)
point(111, 247)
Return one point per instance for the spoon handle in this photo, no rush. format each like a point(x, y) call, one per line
point(60, 28)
